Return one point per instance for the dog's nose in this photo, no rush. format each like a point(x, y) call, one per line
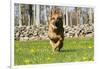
point(57, 23)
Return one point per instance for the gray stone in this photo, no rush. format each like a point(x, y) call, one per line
point(36, 33)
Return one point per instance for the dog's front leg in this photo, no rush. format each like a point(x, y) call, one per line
point(53, 45)
point(53, 26)
point(59, 43)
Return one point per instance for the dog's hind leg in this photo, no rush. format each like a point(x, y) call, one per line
point(57, 45)
point(60, 46)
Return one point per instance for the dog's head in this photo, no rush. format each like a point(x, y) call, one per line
point(56, 17)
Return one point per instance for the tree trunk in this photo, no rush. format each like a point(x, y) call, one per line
point(34, 14)
point(78, 15)
point(70, 18)
point(37, 15)
point(23, 14)
point(20, 22)
point(30, 14)
point(66, 16)
point(90, 15)
point(45, 15)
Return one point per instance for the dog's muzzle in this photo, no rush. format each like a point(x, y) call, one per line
point(57, 23)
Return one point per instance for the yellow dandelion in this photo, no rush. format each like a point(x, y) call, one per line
point(90, 47)
point(26, 61)
point(48, 58)
point(84, 58)
point(32, 50)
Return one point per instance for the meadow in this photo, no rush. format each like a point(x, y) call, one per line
point(40, 51)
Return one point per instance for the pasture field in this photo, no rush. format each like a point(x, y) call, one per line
point(40, 51)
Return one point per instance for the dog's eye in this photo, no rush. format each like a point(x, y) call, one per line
point(52, 18)
point(59, 18)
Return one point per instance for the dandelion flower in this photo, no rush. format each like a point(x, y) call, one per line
point(26, 61)
point(90, 47)
point(48, 58)
point(32, 50)
point(84, 58)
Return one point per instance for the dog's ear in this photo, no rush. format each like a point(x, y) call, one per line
point(49, 17)
point(50, 14)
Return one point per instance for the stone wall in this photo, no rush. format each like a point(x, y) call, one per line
point(40, 33)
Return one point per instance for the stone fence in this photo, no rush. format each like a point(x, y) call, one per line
point(40, 33)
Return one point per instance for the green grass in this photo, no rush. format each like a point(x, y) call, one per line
point(40, 52)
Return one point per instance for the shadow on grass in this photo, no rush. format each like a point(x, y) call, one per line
point(69, 50)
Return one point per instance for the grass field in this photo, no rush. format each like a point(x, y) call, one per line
point(40, 52)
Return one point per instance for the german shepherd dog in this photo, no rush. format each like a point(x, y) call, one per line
point(56, 30)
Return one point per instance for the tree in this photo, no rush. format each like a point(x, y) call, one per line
point(34, 14)
point(30, 14)
point(90, 15)
point(78, 10)
point(66, 16)
point(45, 14)
point(37, 15)
point(20, 22)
